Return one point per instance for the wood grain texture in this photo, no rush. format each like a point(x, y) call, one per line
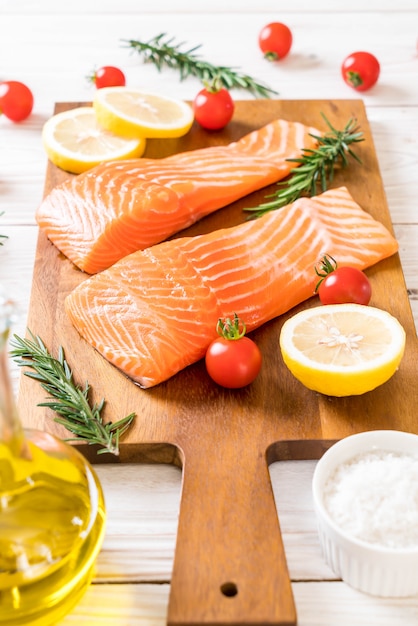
point(229, 564)
point(320, 604)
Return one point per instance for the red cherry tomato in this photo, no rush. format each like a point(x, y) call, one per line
point(213, 107)
point(275, 41)
point(108, 76)
point(360, 70)
point(233, 362)
point(16, 100)
point(339, 285)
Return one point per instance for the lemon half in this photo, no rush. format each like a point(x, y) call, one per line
point(342, 349)
point(75, 142)
point(135, 113)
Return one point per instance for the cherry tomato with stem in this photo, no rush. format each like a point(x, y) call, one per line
point(339, 285)
point(275, 41)
point(233, 360)
point(360, 70)
point(213, 106)
point(16, 100)
point(108, 76)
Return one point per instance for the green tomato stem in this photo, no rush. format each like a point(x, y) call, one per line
point(231, 329)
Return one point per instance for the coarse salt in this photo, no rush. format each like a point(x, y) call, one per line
point(374, 498)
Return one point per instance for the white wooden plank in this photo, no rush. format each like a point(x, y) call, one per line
point(321, 42)
point(121, 605)
point(332, 604)
point(317, 604)
point(48, 7)
point(393, 131)
point(142, 503)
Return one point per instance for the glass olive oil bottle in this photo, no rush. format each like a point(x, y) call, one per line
point(52, 515)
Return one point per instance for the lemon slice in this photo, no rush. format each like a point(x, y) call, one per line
point(134, 113)
point(342, 349)
point(75, 142)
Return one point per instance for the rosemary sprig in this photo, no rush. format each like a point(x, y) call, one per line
point(2, 236)
point(316, 167)
point(66, 398)
point(163, 51)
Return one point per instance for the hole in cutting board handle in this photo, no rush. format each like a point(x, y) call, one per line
point(229, 589)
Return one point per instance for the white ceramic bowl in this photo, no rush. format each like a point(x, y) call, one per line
point(368, 567)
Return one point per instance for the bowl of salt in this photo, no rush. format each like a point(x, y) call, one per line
point(365, 493)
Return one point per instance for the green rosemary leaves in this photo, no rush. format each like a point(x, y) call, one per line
point(163, 51)
point(66, 398)
point(316, 167)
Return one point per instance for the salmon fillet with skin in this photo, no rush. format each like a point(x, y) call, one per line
point(155, 311)
point(119, 207)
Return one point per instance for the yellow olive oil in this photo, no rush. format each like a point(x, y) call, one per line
point(52, 524)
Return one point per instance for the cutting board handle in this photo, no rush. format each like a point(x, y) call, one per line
point(229, 565)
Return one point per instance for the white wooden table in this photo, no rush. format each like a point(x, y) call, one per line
point(52, 47)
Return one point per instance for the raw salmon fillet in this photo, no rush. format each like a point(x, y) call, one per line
point(119, 207)
point(155, 311)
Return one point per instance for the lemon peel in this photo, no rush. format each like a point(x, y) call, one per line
point(74, 141)
point(135, 113)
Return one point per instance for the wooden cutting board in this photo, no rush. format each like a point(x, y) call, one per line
point(229, 565)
